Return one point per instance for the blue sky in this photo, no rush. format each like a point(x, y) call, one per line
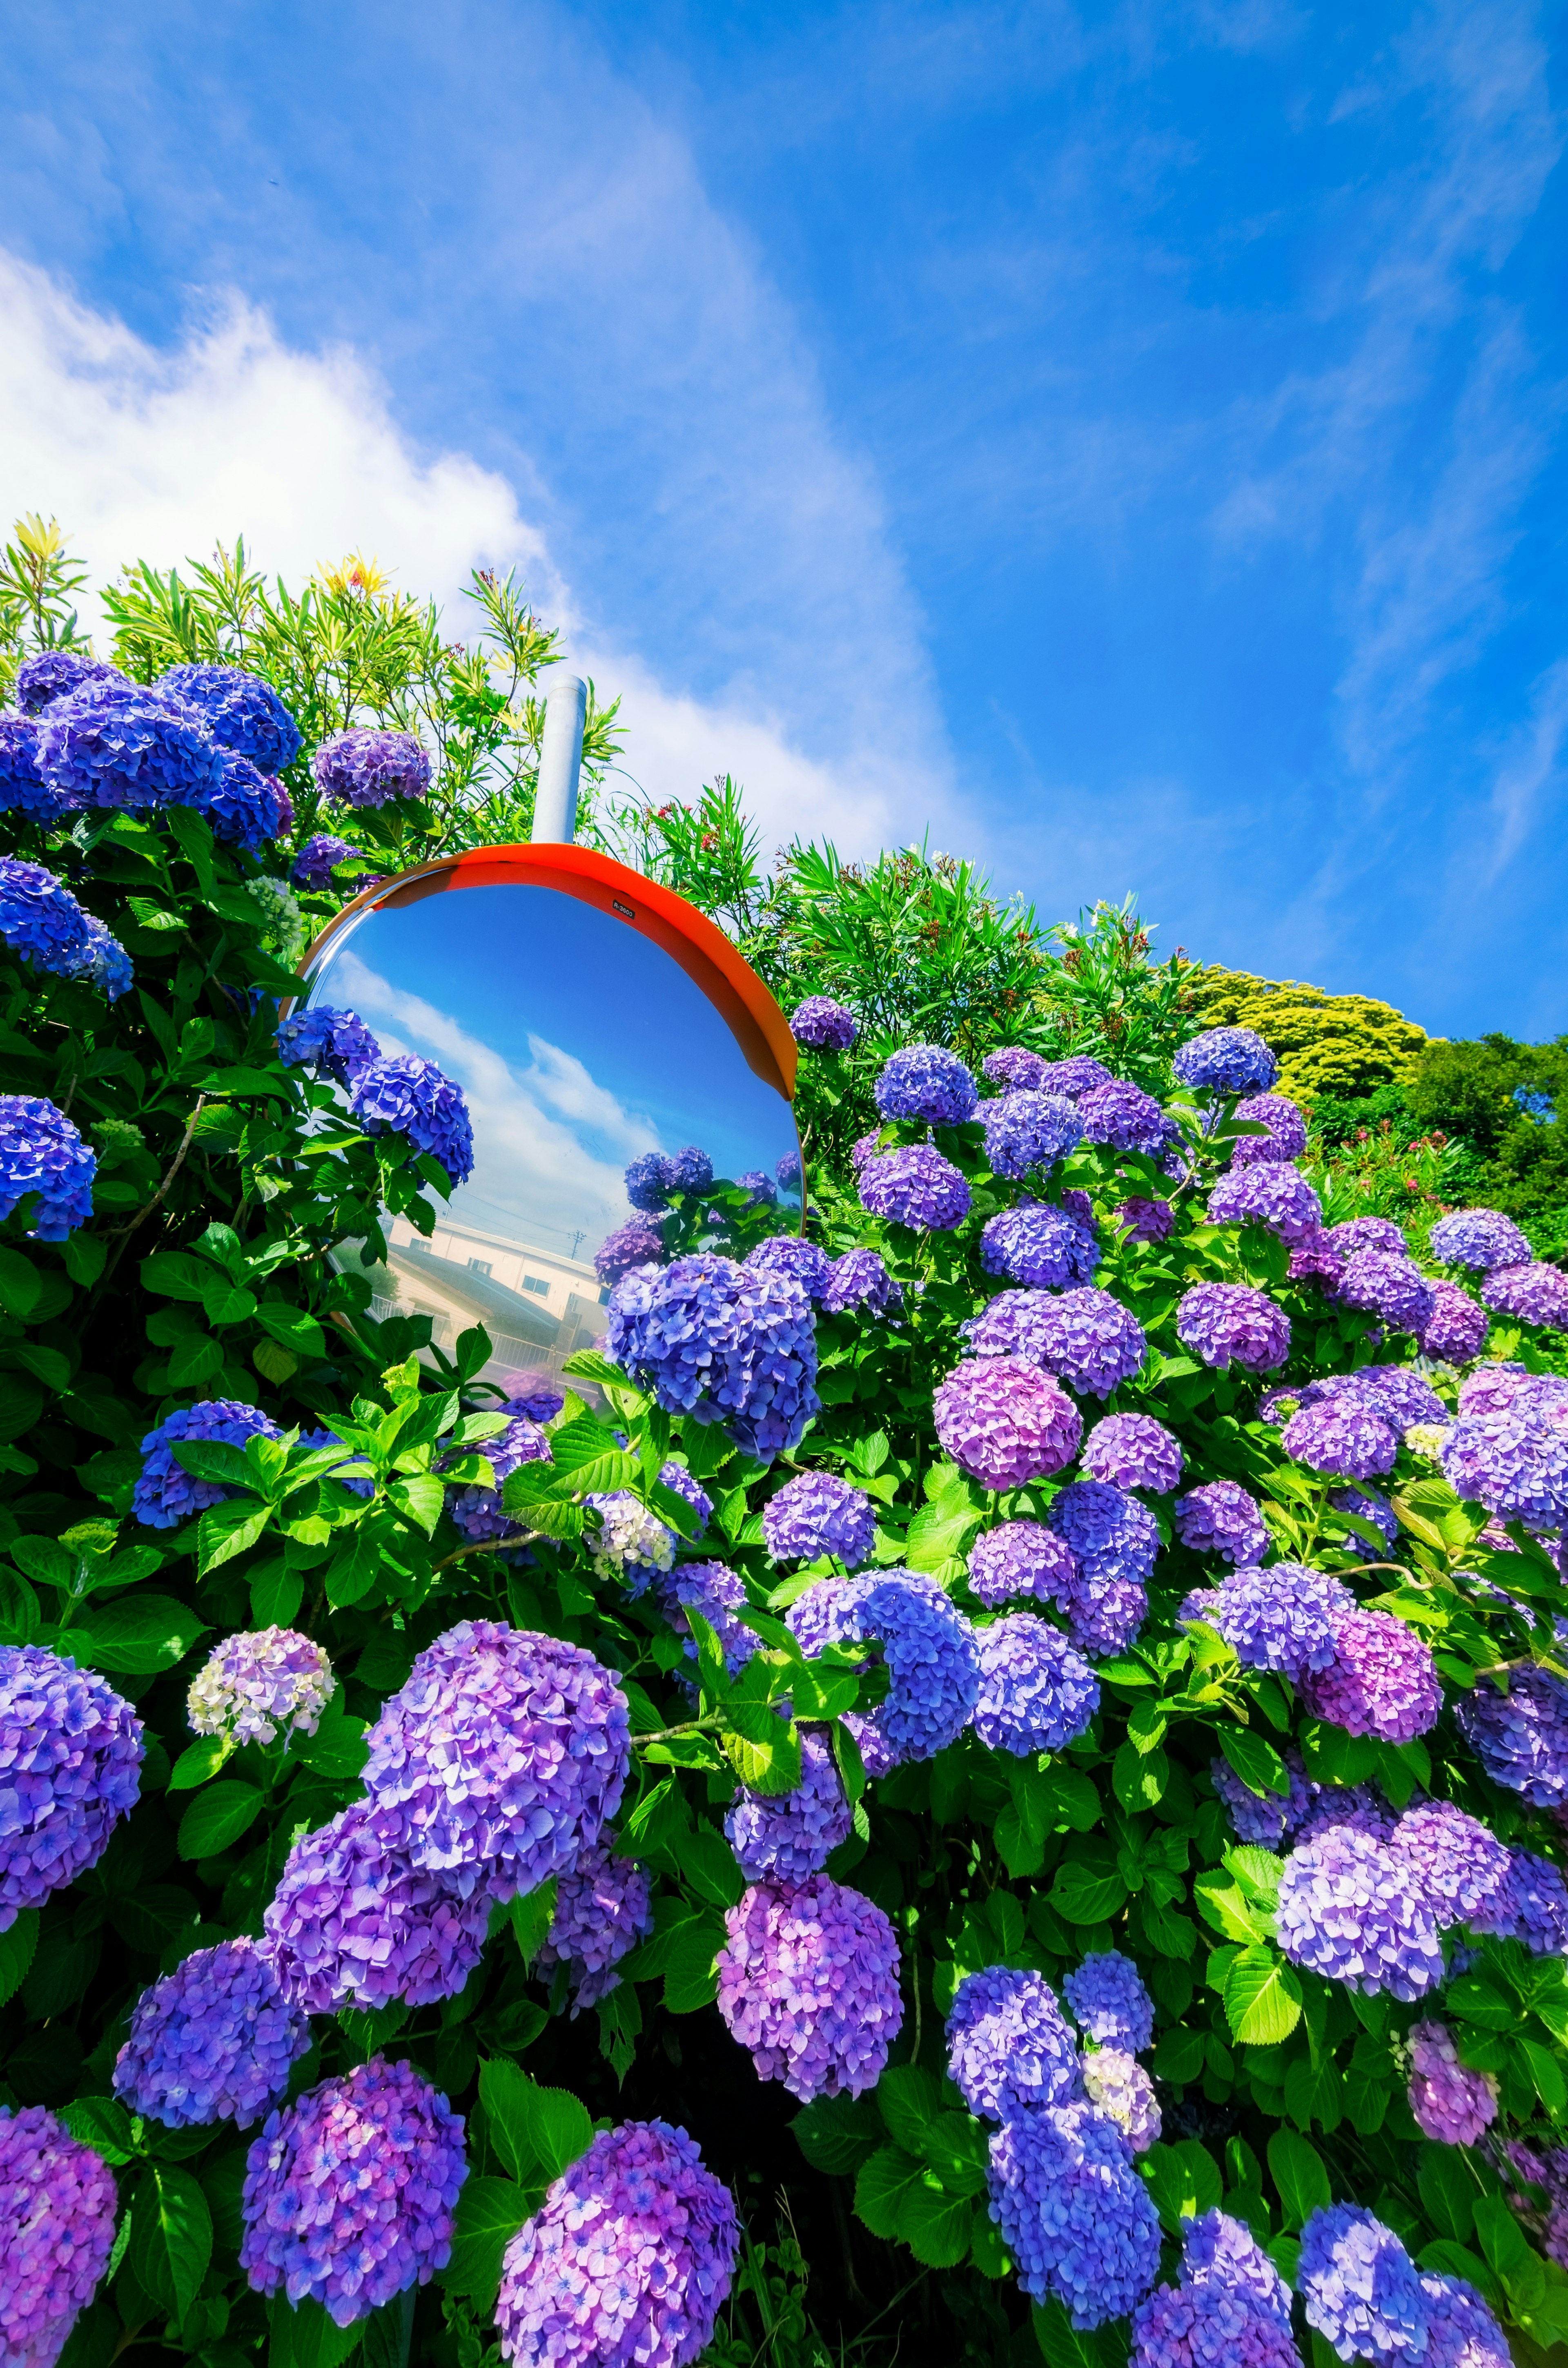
point(1126, 439)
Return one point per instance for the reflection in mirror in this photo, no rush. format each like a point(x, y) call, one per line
point(616, 1118)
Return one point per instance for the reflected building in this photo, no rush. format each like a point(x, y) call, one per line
point(539, 1307)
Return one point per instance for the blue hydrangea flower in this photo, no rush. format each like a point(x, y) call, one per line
point(1133, 1450)
point(1368, 1506)
point(1220, 1518)
point(105, 964)
point(717, 1594)
point(368, 767)
point(318, 858)
point(477, 1511)
point(1142, 1220)
point(1349, 1910)
point(930, 1650)
point(689, 1169)
point(1512, 1458)
point(1231, 2310)
point(167, 1494)
point(603, 1907)
point(329, 1043)
point(1025, 1132)
point(23, 789)
point(1226, 1061)
point(1085, 1337)
point(826, 1026)
point(1226, 1323)
point(1459, 1869)
point(1269, 1819)
point(55, 674)
point(1520, 1738)
point(214, 2041)
point(1021, 1558)
point(1009, 2047)
point(722, 1343)
point(71, 1754)
point(927, 1083)
point(1532, 1906)
point(1108, 2000)
point(410, 1097)
point(1043, 1248)
point(630, 1543)
point(111, 743)
point(648, 1182)
point(42, 1152)
point(816, 1513)
point(790, 1254)
point(1286, 1135)
point(1114, 1541)
point(1118, 2086)
point(859, 1279)
point(1124, 1117)
point(915, 1186)
point(1361, 2290)
point(1285, 1618)
point(1073, 2212)
point(1479, 1237)
point(1036, 1692)
point(1270, 1193)
point(40, 920)
point(241, 712)
point(788, 1836)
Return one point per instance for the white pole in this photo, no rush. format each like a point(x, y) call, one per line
point(559, 758)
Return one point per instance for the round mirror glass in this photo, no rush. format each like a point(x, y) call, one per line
point(582, 1042)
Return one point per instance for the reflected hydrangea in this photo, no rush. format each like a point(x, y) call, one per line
point(411, 1096)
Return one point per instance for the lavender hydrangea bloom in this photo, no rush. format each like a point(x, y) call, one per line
point(927, 1083)
point(477, 1511)
point(1091, 1341)
point(1221, 2255)
point(1358, 1233)
point(808, 1986)
point(167, 1494)
point(40, 918)
point(1451, 2103)
point(1316, 1260)
point(1269, 1817)
point(353, 1923)
point(1531, 1907)
point(1021, 1558)
point(1009, 2047)
point(1220, 1518)
point(1286, 1135)
point(1014, 1066)
point(318, 858)
point(1521, 1737)
point(1344, 1435)
point(1535, 1294)
point(42, 1152)
point(1270, 1193)
point(327, 1042)
point(604, 1906)
point(71, 1754)
point(1078, 1074)
point(629, 2258)
point(1514, 1460)
point(1387, 1285)
point(1400, 1394)
point(1223, 1322)
point(245, 808)
point(1461, 2331)
point(23, 789)
point(213, 2042)
point(916, 1187)
point(638, 1243)
point(367, 768)
point(1226, 1061)
point(1479, 1237)
point(1124, 1117)
point(1133, 1450)
point(1459, 1868)
point(1110, 1533)
point(58, 2208)
point(112, 742)
point(239, 711)
point(1361, 2289)
point(806, 1262)
point(725, 1343)
point(787, 1838)
point(260, 1684)
point(717, 1593)
point(859, 1279)
point(1117, 2084)
point(536, 1394)
point(932, 1655)
point(1027, 1130)
point(822, 1024)
point(1381, 1681)
point(1285, 1618)
point(1146, 1221)
point(1366, 1505)
point(1074, 2213)
point(505, 1748)
point(1456, 1330)
point(1035, 1693)
point(1349, 1910)
point(817, 1513)
point(1108, 2000)
point(1004, 1422)
point(349, 2192)
point(49, 674)
point(1231, 2310)
point(648, 1182)
point(411, 1097)
point(1042, 1246)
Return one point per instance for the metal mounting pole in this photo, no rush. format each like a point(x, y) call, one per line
point(559, 758)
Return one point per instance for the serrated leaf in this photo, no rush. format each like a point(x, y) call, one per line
point(142, 1634)
point(489, 2213)
point(225, 1530)
point(909, 2100)
point(171, 2237)
point(1184, 2180)
point(538, 2132)
point(1085, 1897)
point(881, 2186)
point(935, 2225)
point(838, 2133)
point(17, 1943)
point(200, 1761)
point(103, 2123)
point(218, 1817)
point(1263, 1997)
point(1223, 1903)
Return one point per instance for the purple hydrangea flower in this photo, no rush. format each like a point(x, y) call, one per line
point(1366, 1505)
point(259, 1684)
point(927, 1083)
point(1125, 1117)
point(1358, 1233)
point(1456, 1330)
point(71, 1754)
point(1133, 1450)
point(1021, 1558)
point(1117, 2084)
point(758, 1188)
point(1459, 1868)
point(1226, 1061)
point(1114, 1541)
point(1221, 2256)
point(1361, 2289)
point(40, 920)
point(1535, 1294)
point(1231, 2310)
point(1349, 1910)
point(329, 1043)
point(1270, 1193)
point(213, 2042)
point(1004, 1422)
point(1014, 1066)
point(791, 1254)
point(604, 1906)
point(648, 1181)
point(318, 858)
point(1532, 1906)
point(1342, 1435)
point(822, 1024)
point(638, 1243)
point(239, 711)
point(1042, 1246)
point(1359, 1807)
point(1381, 1681)
point(167, 1494)
point(1286, 1135)
point(1223, 1322)
point(1284, 1617)
point(1269, 1817)
point(690, 1169)
point(1074, 2213)
point(1108, 2000)
point(916, 1187)
point(58, 2207)
point(1078, 1074)
point(1400, 1394)
point(354, 1923)
point(23, 789)
point(537, 1394)
point(859, 1279)
point(1479, 1237)
point(721, 1342)
point(1461, 2331)
point(816, 1513)
point(629, 2258)
point(1036, 1692)
point(1088, 1340)
point(42, 1152)
point(478, 1512)
point(1316, 1260)
point(808, 1986)
point(411, 1097)
point(56, 674)
point(1387, 1285)
point(1220, 1518)
point(630, 1543)
point(1512, 1457)
point(1452, 2105)
point(505, 1748)
point(1027, 1131)
point(787, 1838)
point(1009, 2047)
point(1143, 1220)
point(113, 743)
point(350, 2192)
point(367, 768)
point(717, 1594)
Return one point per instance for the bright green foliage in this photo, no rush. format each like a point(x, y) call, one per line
point(39, 581)
point(1336, 1047)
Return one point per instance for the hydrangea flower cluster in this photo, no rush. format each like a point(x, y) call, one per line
point(915, 1186)
point(638, 1243)
point(824, 1025)
point(1026, 1132)
point(1009, 2047)
point(39, 919)
point(725, 1343)
point(1108, 2000)
point(1014, 1066)
point(807, 1262)
point(105, 964)
point(1226, 1061)
point(42, 1152)
point(1004, 1422)
point(1091, 1341)
point(1143, 1220)
point(1118, 2085)
point(808, 1986)
point(1229, 1322)
point(816, 1513)
point(1220, 1518)
point(1460, 1869)
point(787, 1838)
point(1366, 1505)
point(1456, 1330)
point(355, 1923)
point(23, 789)
point(1073, 2212)
point(319, 858)
point(1361, 2289)
point(1389, 1285)
point(259, 1684)
point(477, 1511)
point(1039, 1246)
point(1036, 1692)
point(861, 1279)
point(504, 1749)
point(1349, 1909)
point(932, 1657)
point(214, 2041)
point(368, 767)
point(1479, 1237)
point(1270, 1193)
point(1509, 1453)
point(1381, 1680)
point(49, 674)
point(1452, 2103)
point(1114, 1541)
point(1269, 1819)
point(927, 1083)
point(1125, 1117)
point(1021, 1558)
point(1532, 1906)
point(350, 2192)
point(1342, 1435)
point(630, 2258)
point(1232, 2308)
point(239, 711)
point(71, 1754)
point(407, 1096)
point(717, 1594)
point(1078, 1074)
point(1133, 1450)
point(1287, 1131)
point(58, 2207)
point(111, 743)
point(167, 1494)
point(537, 1394)
point(604, 1906)
point(1536, 1294)
point(329, 1043)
